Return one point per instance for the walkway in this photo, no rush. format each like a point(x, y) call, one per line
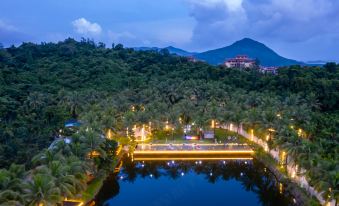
point(292, 167)
point(192, 152)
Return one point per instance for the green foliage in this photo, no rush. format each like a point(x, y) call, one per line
point(43, 85)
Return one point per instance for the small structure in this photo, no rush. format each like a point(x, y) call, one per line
point(269, 70)
point(141, 133)
point(241, 62)
point(72, 123)
point(208, 135)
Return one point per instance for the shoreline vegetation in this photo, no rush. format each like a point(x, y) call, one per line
point(114, 90)
point(302, 197)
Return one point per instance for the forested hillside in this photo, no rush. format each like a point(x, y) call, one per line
point(44, 85)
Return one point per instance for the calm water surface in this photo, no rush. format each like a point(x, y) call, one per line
point(198, 183)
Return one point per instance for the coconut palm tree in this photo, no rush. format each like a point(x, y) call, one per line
point(60, 173)
point(46, 157)
point(73, 101)
point(41, 190)
point(11, 198)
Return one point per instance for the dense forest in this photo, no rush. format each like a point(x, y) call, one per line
point(43, 85)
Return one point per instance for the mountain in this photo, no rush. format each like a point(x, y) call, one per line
point(246, 46)
point(179, 52)
point(249, 47)
point(146, 48)
point(171, 49)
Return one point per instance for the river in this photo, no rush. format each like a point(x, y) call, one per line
point(192, 182)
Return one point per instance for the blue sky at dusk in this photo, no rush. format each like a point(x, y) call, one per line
point(303, 29)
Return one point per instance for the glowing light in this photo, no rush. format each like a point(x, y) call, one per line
point(283, 158)
point(182, 174)
point(213, 124)
point(271, 130)
point(203, 144)
point(191, 158)
point(194, 152)
point(151, 175)
point(167, 127)
point(266, 148)
point(293, 174)
point(280, 188)
point(252, 134)
point(211, 173)
point(80, 202)
point(109, 134)
point(143, 135)
point(133, 108)
point(119, 149)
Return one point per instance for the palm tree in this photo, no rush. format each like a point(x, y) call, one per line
point(60, 173)
point(11, 198)
point(41, 190)
point(73, 101)
point(46, 157)
point(35, 100)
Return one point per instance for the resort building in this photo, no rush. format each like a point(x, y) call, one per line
point(240, 61)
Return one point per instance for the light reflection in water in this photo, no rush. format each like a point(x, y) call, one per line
point(196, 182)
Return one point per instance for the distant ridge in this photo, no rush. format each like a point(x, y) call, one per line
point(171, 49)
point(246, 46)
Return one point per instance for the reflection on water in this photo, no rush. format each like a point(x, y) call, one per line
point(212, 182)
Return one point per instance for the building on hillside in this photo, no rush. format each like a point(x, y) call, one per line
point(240, 61)
point(269, 70)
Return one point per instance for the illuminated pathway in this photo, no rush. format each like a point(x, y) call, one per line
point(192, 152)
point(300, 179)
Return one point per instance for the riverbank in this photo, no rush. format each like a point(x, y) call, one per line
point(289, 171)
point(300, 195)
point(95, 185)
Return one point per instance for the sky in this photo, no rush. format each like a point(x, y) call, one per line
point(298, 29)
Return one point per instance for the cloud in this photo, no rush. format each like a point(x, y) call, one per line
point(6, 26)
point(83, 26)
point(219, 22)
point(160, 33)
point(10, 34)
point(119, 37)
